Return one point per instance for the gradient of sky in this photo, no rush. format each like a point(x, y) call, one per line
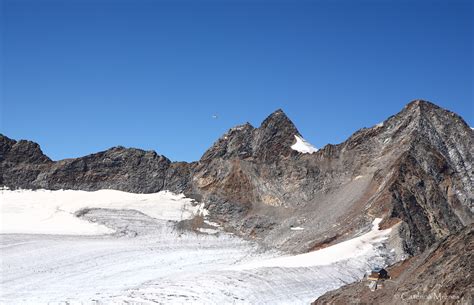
point(82, 76)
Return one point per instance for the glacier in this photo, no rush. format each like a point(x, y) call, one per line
point(127, 248)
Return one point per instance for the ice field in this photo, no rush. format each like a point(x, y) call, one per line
point(109, 247)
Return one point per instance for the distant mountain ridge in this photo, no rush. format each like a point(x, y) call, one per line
point(414, 171)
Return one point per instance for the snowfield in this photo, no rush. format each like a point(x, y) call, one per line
point(52, 212)
point(110, 247)
point(303, 146)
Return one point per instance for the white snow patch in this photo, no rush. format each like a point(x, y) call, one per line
point(303, 146)
point(208, 230)
point(237, 128)
point(52, 212)
point(362, 246)
point(379, 125)
point(358, 177)
point(296, 228)
point(212, 223)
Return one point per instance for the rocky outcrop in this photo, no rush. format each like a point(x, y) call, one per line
point(242, 167)
point(441, 275)
point(127, 169)
point(414, 168)
point(21, 162)
point(266, 144)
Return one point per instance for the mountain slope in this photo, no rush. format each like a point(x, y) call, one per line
point(413, 170)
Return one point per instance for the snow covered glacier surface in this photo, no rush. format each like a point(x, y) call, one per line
point(127, 249)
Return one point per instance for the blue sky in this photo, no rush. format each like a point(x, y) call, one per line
point(82, 76)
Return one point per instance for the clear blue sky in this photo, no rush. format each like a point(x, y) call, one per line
point(82, 76)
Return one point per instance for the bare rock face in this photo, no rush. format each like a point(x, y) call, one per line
point(13, 152)
point(409, 168)
point(273, 140)
point(266, 144)
point(432, 180)
point(21, 162)
point(414, 168)
point(244, 162)
point(25, 166)
point(131, 170)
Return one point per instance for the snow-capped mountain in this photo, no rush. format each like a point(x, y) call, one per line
point(268, 185)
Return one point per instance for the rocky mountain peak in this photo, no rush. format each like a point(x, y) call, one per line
point(274, 137)
point(268, 142)
point(424, 110)
point(421, 104)
point(279, 120)
point(236, 142)
point(424, 121)
point(21, 151)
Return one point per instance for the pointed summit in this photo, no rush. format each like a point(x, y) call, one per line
point(279, 120)
point(423, 115)
point(267, 143)
point(426, 109)
point(421, 103)
point(275, 137)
